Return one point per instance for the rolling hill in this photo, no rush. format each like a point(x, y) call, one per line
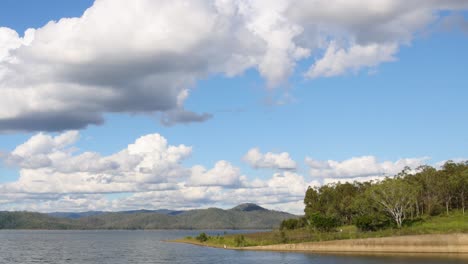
point(244, 216)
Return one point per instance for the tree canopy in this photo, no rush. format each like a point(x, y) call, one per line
point(392, 201)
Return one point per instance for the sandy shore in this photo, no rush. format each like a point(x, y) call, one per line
point(437, 244)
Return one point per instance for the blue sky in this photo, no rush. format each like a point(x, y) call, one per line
point(405, 104)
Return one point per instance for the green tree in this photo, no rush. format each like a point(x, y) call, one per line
point(372, 222)
point(344, 194)
point(447, 179)
point(463, 187)
point(459, 175)
point(324, 223)
point(293, 223)
point(429, 191)
point(240, 241)
point(311, 201)
point(394, 196)
point(202, 237)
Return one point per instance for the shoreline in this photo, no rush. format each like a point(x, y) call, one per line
point(434, 244)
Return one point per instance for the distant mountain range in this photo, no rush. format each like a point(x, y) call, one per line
point(71, 215)
point(244, 216)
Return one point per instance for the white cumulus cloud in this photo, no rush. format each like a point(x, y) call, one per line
point(223, 174)
point(360, 168)
point(150, 173)
point(255, 158)
point(143, 56)
point(55, 175)
point(51, 165)
point(338, 61)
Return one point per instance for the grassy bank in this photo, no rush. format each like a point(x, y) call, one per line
point(454, 223)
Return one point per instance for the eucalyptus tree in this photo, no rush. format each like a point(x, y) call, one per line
point(459, 176)
point(463, 187)
point(447, 182)
point(395, 197)
point(428, 195)
point(311, 201)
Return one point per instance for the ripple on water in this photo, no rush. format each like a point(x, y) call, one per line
point(119, 247)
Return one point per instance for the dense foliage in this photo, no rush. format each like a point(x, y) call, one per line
point(240, 241)
point(392, 202)
point(323, 222)
point(202, 237)
point(293, 223)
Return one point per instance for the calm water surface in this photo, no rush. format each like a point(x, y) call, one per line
point(115, 247)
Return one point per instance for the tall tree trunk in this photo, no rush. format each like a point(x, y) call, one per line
point(429, 209)
point(463, 201)
point(417, 209)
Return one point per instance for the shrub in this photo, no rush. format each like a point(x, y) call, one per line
point(410, 222)
point(365, 223)
point(284, 238)
point(371, 222)
point(202, 237)
point(324, 223)
point(239, 240)
point(290, 224)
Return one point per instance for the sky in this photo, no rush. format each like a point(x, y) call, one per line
point(116, 105)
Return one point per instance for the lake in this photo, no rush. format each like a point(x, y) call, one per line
point(115, 247)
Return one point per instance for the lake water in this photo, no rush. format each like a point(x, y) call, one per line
point(115, 247)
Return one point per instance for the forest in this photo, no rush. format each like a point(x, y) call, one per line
point(407, 198)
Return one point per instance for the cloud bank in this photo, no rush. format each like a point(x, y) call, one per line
point(54, 175)
point(361, 169)
point(144, 56)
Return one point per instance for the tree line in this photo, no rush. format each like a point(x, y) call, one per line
point(393, 202)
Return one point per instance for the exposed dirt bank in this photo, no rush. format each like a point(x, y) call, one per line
point(443, 244)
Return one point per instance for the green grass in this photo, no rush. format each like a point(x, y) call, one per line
point(454, 223)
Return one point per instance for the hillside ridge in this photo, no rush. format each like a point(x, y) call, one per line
point(243, 216)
